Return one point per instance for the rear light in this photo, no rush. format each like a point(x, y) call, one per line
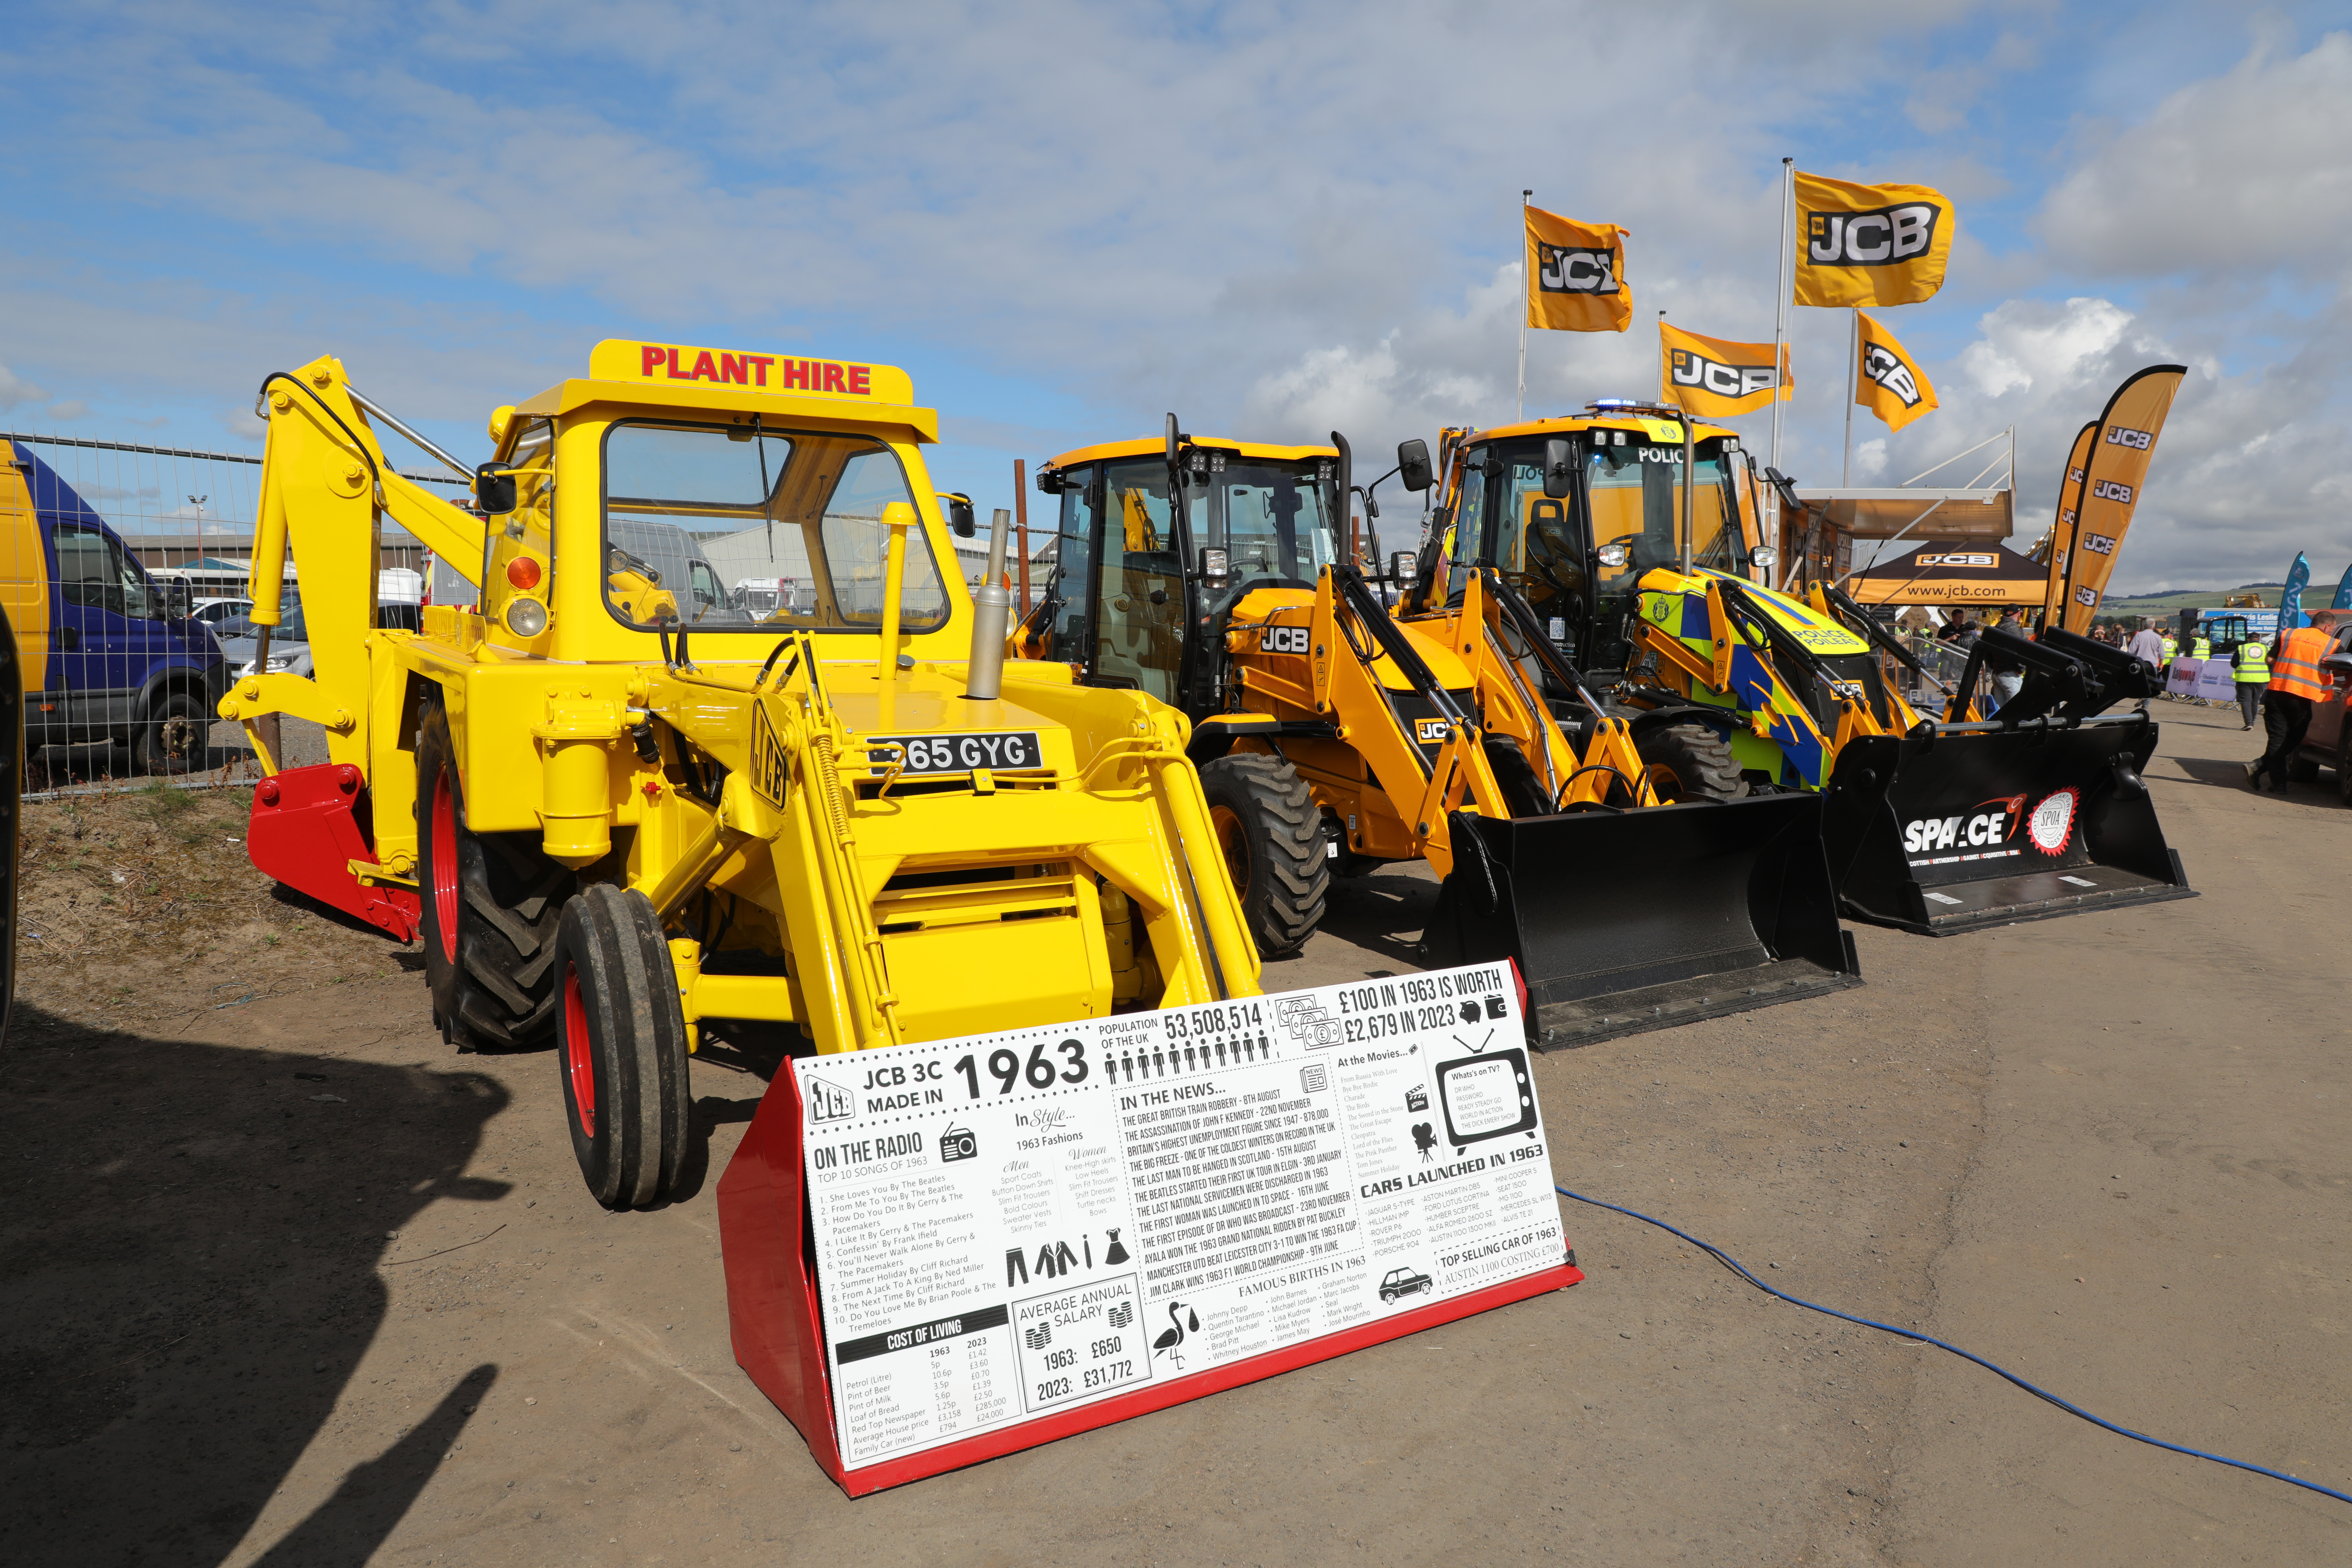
point(523, 572)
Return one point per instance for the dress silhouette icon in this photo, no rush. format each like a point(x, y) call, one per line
point(1116, 1252)
point(1173, 1337)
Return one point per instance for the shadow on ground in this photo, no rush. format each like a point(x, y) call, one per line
point(191, 1236)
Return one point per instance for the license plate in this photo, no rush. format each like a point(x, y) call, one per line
point(998, 751)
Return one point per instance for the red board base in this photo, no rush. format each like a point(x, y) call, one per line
point(305, 830)
point(778, 1330)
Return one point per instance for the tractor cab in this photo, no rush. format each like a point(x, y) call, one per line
point(1575, 513)
point(1136, 571)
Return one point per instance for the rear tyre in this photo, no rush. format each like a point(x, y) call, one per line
point(173, 738)
point(621, 1046)
point(1272, 836)
point(1689, 762)
point(492, 904)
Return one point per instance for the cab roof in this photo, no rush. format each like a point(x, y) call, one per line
point(720, 381)
point(1153, 446)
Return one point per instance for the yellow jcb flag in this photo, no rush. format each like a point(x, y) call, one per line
point(1575, 275)
point(1870, 244)
point(1711, 377)
point(1888, 382)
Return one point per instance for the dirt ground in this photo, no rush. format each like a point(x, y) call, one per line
point(289, 1283)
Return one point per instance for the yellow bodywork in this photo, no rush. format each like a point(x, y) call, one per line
point(23, 573)
point(972, 902)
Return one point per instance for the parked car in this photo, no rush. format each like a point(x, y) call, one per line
point(213, 612)
point(2328, 743)
point(126, 659)
point(289, 645)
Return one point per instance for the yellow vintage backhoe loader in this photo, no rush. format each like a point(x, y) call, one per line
point(1215, 575)
point(1633, 532)
point(614, 807)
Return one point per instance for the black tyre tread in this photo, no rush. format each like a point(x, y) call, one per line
point(511, 898)
point(1700, 757)
point(1284, 829)
point(1523, 789)
point(629, 992)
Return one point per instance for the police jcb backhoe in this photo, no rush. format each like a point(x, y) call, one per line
point(1636, 533)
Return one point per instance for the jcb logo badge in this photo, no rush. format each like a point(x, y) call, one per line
point(2139, 440)
point(1885, 237)
point(1723, 380)
point(770, 770)
point(1569, 271)
point(2107, 489)
point(1981, 562)
point(2075, 476)
point(2087, 597)
point(1429, 731)
point(2099, 544)
point(1891, 373)
point(1283, 639)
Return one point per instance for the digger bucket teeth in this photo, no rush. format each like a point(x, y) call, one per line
point(1987, 826)
point(1621, 921)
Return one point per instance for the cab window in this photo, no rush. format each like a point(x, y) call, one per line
point(807, 505)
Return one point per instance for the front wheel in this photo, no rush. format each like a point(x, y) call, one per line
point(172, 740)
point(620, 1039)
point(1272, 836)
point(1689, 762)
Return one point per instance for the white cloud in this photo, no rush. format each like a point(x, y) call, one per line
point(15, 390)
point(2234, 175)
point(69, 411)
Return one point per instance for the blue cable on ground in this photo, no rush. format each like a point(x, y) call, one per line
point(1741, 1270)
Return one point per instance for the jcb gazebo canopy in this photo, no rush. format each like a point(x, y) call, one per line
point(1950, 572)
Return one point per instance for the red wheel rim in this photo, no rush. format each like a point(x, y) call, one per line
point(445, 866)
point(579, 1055)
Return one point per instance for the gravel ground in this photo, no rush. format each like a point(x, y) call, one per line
point(289, 1283)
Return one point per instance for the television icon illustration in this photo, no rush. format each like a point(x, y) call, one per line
point(1488, 1096)
point(957, 1143)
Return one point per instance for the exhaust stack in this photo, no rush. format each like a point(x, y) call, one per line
point(991, 604)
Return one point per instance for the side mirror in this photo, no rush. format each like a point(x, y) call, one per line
point(960, 521)
point(1173, 438)
point(1050, 482)
point(1764, 555)
point(1560, 468)
point(179, 600)
point(1413, 465)
point(494, 491)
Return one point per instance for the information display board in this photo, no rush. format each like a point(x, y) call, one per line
point(1023, 1235)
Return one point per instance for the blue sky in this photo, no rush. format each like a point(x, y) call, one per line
point(1067, 219)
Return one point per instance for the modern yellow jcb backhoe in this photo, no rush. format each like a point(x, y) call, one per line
point(616, 808)
point(1329, 734)
point(1635, 532)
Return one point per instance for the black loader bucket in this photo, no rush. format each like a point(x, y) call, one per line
point(1986, 826)
point(1621, 921)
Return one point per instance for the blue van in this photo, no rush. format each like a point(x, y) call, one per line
point(125, 661)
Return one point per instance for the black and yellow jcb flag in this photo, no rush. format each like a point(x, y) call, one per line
point(1717, 379)
point(1888, 381)
point(1870, 244)
point(2108, 490)
point(1575, 275)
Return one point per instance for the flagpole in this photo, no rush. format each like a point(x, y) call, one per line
point(1782, 286)
point(1853, 359)
point(1527, 292)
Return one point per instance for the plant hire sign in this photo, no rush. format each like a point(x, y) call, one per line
point(677, 364)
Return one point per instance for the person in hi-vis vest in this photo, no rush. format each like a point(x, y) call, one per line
point(2251, 671)
point(2296, 682)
